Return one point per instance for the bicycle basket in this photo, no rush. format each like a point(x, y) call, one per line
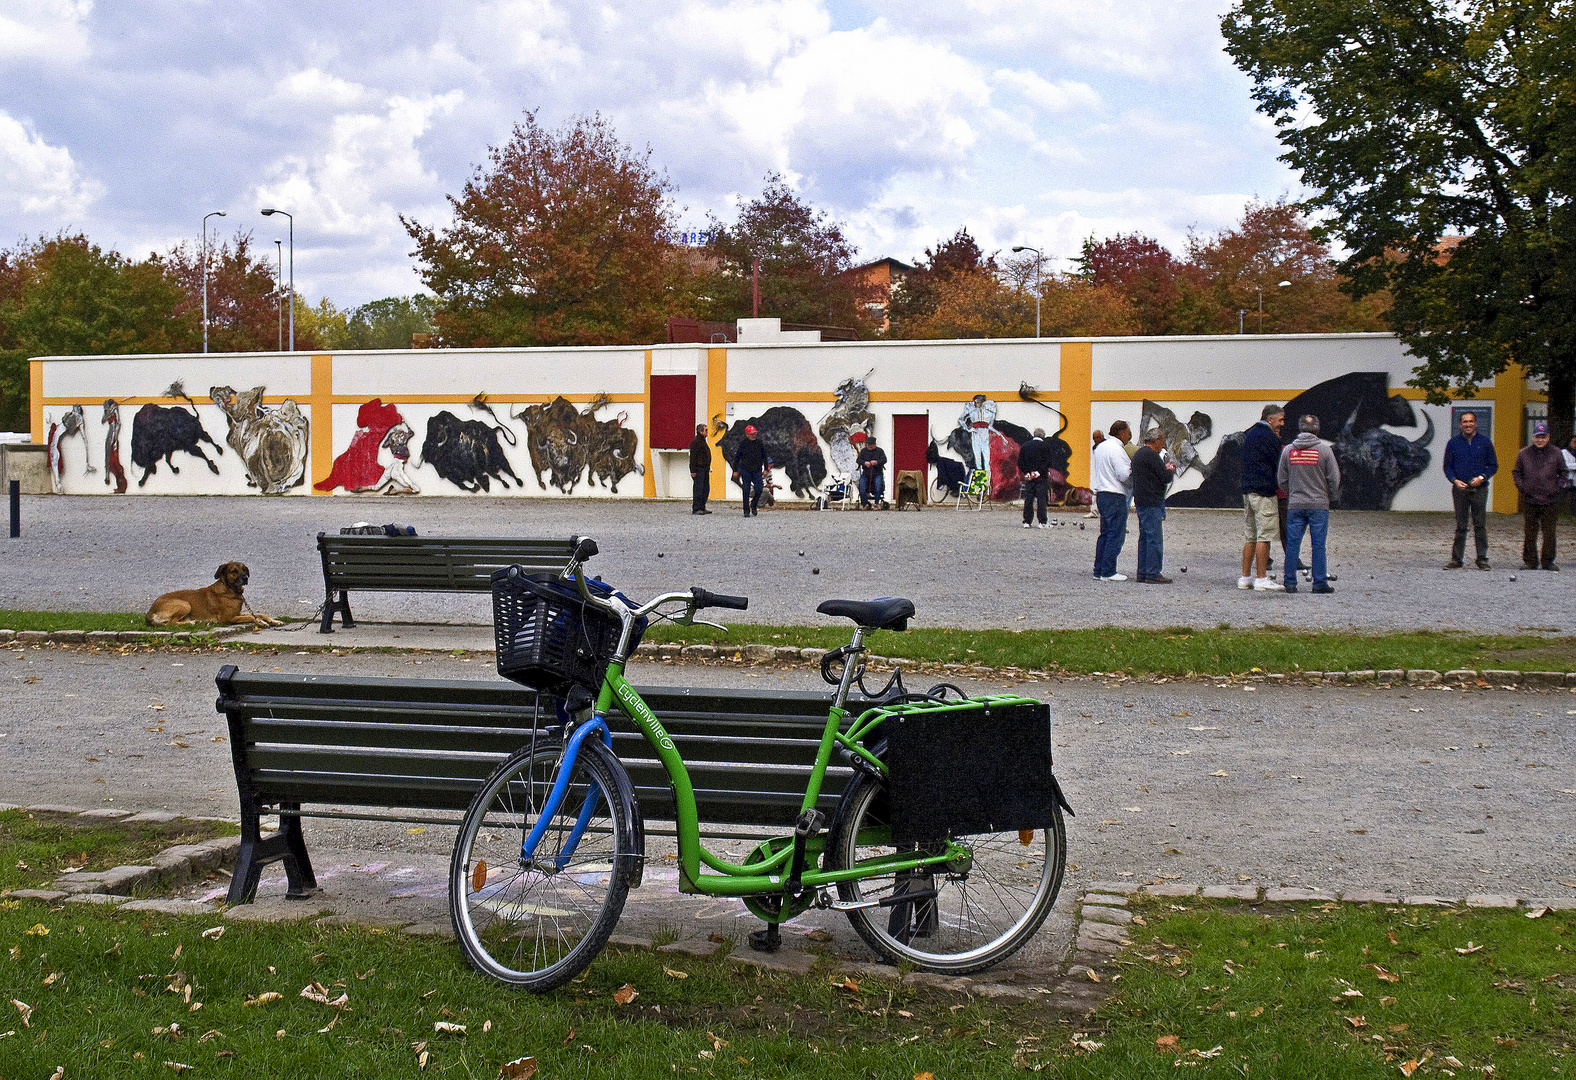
point(547, 637)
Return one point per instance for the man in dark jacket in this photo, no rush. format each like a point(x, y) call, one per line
point(872, 474)
point(749, 459)
point(1152, 474)
point(1540, 477)
point(1261, 452)
point(1469, 463)
point(700, 470)
point(1034, 462)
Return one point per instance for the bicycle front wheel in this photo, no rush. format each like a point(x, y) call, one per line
point(538, 922)
point(966, 915)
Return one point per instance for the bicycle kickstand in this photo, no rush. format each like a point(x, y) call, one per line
point(809, 824)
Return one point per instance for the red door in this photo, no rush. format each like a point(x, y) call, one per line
point(672, 411)
point(910, 440)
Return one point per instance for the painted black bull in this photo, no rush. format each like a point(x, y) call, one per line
point(157, 432)
point(790, 444)
point(552, 438)
point(465, 452)
point(1353, 410)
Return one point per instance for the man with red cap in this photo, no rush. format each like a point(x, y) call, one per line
point(749, 459)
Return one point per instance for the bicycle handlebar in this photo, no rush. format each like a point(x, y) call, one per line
point(705, 599)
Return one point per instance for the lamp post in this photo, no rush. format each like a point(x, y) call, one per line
point(1038, 259)
point(205, 217)
point(279, 282)
point(269, 211)
point(1260, 290)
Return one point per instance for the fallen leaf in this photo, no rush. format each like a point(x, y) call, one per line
point(716, 1043)
point(845, 983)
point(1538, 914)
point(625, 994)
point(60, 1071)
point(1357, 1021)
point(1090, 1046)
point(315, 991)
point(670, 973)
point(1471, 948)
point(1408, 1067)
point(213, 933)
point(1167, 1042)
point(924, 1076)
point(264, 998)
point(177, 1066)
point(443, 1027)
point(1351, 992)
point(1453, 1061)
point(519, 1069)
point(331, 1023)
point(486, 1026)
point(1386, 1002)
point(1222, 772)
point(415, 831)
point(1212, 1053)
point(37, 930)
point(26, 1010)
point(1383, 975)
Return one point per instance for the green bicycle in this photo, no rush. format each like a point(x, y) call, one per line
point(948, 876)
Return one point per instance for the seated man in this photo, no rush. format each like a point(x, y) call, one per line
point(872, 476)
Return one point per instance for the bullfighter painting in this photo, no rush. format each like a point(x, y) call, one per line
point(358, 468)
point(271, 442)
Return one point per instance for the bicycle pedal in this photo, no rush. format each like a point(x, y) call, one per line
point(810, 823)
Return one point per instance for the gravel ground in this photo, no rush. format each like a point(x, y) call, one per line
point(1413, 790)
point(960, 569)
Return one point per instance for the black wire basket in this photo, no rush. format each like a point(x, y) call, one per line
point(548, 638)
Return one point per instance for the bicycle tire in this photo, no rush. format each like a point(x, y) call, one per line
point(536, 926)
point(978, 918)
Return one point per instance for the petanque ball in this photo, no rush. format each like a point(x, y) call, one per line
point(1513, 577)
point(1184, 569)
point(817, 570)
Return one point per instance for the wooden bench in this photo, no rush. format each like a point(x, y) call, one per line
point(316, 745)
point(425, 564)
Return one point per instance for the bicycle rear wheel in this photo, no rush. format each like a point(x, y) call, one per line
point(537, 923)
point(984, 908)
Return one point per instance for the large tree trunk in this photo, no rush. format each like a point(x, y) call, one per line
point(1562, 403)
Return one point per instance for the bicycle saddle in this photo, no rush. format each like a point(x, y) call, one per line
point(882, 613)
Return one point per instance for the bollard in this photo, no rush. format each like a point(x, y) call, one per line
point(16, 509)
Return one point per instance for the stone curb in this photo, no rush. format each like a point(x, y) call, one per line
point(119, 637)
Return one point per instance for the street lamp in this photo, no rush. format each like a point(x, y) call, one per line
point(205, 217)
point(1278, 285)
point(1038, 259)
point(269, 211)
point(279, 281)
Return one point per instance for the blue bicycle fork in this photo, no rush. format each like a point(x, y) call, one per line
point(549, 808)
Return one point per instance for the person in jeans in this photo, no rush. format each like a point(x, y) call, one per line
point(1312, 479)
point(1152, 474)
point(872, 474)
point(1469, 462)
point(1539, 473)
point(749, 460)
point(1111, 476)
point(700, 471)
point(1261, 451)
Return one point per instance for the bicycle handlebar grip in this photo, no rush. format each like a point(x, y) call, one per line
point(711, 599)
point(585, 549)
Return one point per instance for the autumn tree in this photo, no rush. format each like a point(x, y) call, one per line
point(804, 258)
point(244, 296)
point(1149, 276)
point(976, 305)
point(561, 239)
point(1420, 122)
point(914, 301)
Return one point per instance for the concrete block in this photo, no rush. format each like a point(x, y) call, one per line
point(1423, 676)
point(1119, 888)
point(1334, 678)
point(1313, 676)
point(55, 808)
point(169, 907)
point(1292, 895)
point(137, 637)
point(1487, 900)
point(69, 637)
point(1461, 677)
point(28, 464)
point(1096, 949)
point(1543, 680)
point(1558, 903)
point(1106, 901)
point(31, 637)
point(101, 637)
point(106, 813)
point(813, 655)
point(122, 879)
point(691, 947)
point(786, 961)
point(957, 983)
point(273, 911)
point(1103, 932)
point(370, 922)
point(49, 896)
point(1496, 677)
point(1366, 675)
point(787, 654)
point(1112, 915)
point(630, 941)
point(860, 969)
point(1430, 901)
point(1390, 675)
point(699, 652)
point(152, 817)
point(1004, 993)
point(758, 654)
point(1368, 896)
point(95, 898)
point(429, 929)
point(1249, 893)
point(1171, 890)
point(7, 636)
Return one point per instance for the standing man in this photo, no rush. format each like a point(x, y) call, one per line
point(1034, 462)
point(1312, 480)
point(749, 458)
point(872, 474)
point(700, 471)
point(1152, 474)
point(1111, 476)
point(979, 417)
point(1469, 462)
point(1261, 454)
point(1539, 473)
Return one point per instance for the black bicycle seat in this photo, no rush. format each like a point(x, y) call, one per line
point(882, 613)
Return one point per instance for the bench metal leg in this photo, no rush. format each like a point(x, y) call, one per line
point(287, 845)
point(342, 607)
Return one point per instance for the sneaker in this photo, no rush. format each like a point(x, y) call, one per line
point(1115, 577)
point(1026, 525)
point(1245, 582)
point(1453, 564)
point(1529, 566)
point(1265, 584)
point(1156, 579)
point(1322, 589)
point(1553, 566)
point(1041, 525)
point(1482, 564)
point(1092, 513)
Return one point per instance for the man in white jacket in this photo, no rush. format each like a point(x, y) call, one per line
point(1111, 476)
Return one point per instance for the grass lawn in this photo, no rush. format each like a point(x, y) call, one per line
point(41, 847)
point(1226, 991)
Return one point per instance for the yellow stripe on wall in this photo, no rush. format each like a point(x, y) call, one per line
point(321, 400)
point(717, 408)
point(1076, 397)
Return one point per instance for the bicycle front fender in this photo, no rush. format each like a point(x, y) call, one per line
point(555, 797)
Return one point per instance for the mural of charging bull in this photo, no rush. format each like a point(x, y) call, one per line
point(610, 446)
point(157, 432)
point(271, 443)
point(790, 443)
point(1353, 411)
point(552, 436)
point(465, 452)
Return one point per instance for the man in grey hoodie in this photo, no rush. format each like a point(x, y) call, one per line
point(1311, 479)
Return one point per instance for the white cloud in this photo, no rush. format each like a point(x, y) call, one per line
point(1059, 97)
point(37, 179)
point(314, 86)
point(48, 30)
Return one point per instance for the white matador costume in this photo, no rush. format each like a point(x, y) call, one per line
point(980, 419)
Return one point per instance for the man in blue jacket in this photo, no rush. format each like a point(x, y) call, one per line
point(1469, 462)
point(1261, 452)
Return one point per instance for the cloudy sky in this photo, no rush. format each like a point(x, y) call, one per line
point(1033, 122)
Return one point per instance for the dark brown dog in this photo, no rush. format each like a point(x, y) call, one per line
point(220, 602)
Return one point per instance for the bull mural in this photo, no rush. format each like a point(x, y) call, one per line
point(271, 443)
point(790, 443)
point(157, 432)
point(570, 444)
point(465, 452)
point(1353, 411)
